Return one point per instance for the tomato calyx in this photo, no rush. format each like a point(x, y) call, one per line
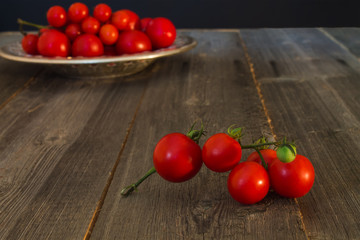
point(262, 142)
point(235, 132)
point(195, 134)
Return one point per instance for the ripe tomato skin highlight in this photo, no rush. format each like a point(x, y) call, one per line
point(248, 183)
point(56, 16)
point(72, 31)
point(161, 32)
point(87, 45)
point(221, 153)
point(77, 12)
point(268, 154)
point(29, 43)
point(177, 158)
point(102, 12)
point(293, 179)
point(109, 34)
point(133, 41)
point(125, 20)
point(90, 25)
point(53, 43)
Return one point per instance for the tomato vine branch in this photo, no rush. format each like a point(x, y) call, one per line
point(259, 145)
point(262, 159)
point(23, 22)
point(129, 189)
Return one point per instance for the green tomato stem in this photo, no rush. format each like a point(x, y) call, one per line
point(23, 22)
point(195, 134)
point(259, 145)
point(21, 29)
point(262, 159)
point(129, 189)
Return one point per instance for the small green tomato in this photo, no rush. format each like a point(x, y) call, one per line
point(286, 153)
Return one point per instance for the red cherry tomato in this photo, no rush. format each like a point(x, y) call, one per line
point(248, 183)
point(293, 179)
point(109, 34)
point(72, 31)
point(56, 16)
point(87, 45)
point(177, 158)
point(53, 43)
point(78, 12)
point(268, 154)
point(125, 20)
point(29, 44)
point(102, 12)
point(144, 22)
point(161, 32)
point(42, 30)
point(132, 42)
point(221, 153)
point(90, 25)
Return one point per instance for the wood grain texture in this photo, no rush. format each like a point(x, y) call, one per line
point(211, 83)
point(348, 38)
point(311, 88)
point(59, 139)
point(14, 76)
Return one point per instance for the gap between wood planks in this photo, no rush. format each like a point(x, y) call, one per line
point(262, 100)
point(337, 42)
point(17, 92)
point(112, 173)
point(101, 201)
point(332, 38)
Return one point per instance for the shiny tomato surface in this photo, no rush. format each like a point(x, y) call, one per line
point(177, 158)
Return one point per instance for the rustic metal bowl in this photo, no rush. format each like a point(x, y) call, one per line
point(98, 67)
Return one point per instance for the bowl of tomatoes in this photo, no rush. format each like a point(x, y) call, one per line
point(103, 44)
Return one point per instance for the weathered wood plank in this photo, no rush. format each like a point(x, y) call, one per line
point(59, 139)
point(212, 83)
point(14, 76)
point(311, 89)
point(348, 38)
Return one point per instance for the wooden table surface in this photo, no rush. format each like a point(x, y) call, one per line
point(68, 146)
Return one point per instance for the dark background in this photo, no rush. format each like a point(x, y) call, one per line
point(208, 13)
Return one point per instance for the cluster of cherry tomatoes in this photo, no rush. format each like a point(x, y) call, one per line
point(76, 32)
point(178, 157)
